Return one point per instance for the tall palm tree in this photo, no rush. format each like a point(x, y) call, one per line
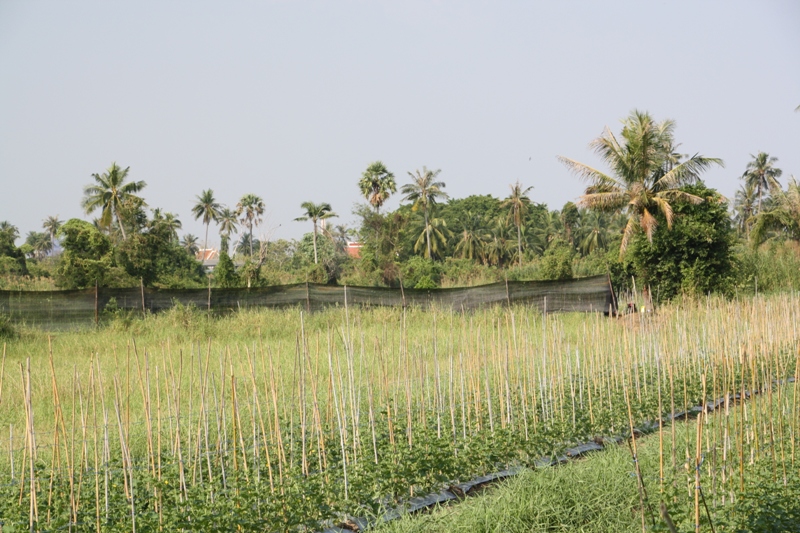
point(40, 244)
point(377, 184)
point(744, 207)
point(517, 204)
point(782, 217)
point(9, 230)
point(246, 243)
point(315, 213)
point(166, 222)
point(433, 237)
point(472, 236)
point(341, 235)
point(547, 228)
point(208, 208)
point(109, 193)
point(645, 175)
point(189, 243)
point(424, 191)
point(250, 208)
point(592, 230)
point(227, 225)
point(762, 174)
point(500, 247)
point(51, 225)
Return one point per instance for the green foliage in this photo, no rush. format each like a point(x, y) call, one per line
point(225, 273)
point(12, 259)
point(419, 270)
point(88, 259)
point(155, 258)
point(456, 208)
point(695, 257)
point(425, 282)
point(772, 267)
point(556, 263)
point(466, 273)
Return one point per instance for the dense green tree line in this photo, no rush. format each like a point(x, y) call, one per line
point(647, 217)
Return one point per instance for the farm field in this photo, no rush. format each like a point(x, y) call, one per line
point(600, 493)
point(284, 421)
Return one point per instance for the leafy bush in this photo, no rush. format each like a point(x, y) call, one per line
point(225, 272)
point(694, 257)
point(417, 268)
point(556, 262)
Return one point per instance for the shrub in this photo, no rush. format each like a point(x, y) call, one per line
point(556, 262)
point(416, 268)
point(694, 257)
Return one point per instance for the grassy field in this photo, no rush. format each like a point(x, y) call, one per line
point(279, 420)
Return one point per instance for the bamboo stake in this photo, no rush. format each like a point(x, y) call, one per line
point(340, 425)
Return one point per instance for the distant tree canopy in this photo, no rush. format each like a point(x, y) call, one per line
point(12, 259)
point(88, 258)
point(152, 256)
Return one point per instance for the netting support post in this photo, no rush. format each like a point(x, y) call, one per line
point(96, 304)
point(614, 302)
point(308, 299)
point(141, 286)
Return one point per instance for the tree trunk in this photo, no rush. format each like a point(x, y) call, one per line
point(759, 198)
point(519, 245)
point(251, 241)
point(121, 226)
point(205, 246)
point(428, 234)
point(314, 239)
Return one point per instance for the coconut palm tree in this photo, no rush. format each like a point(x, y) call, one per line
point(189, 243)
point(166, 222)
point(208, 208)
point(246, 244)
point(472, 236)
point(547, 227)
point(377, 184)
point(40, 244)
point(250, 208)
point(592, 230)
point(227, 225)
point(762, 174)
point(315, 213)
point(433, 237)
point(645, 175)
point(51, 225)
point(782, 217)
point(9, 230)
point(424, 191)
point(341, 235)
point(499, 248)
point(109, 194)
point(517, 204)
point(744, 207)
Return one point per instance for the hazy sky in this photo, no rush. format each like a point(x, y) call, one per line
point(292, 100)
